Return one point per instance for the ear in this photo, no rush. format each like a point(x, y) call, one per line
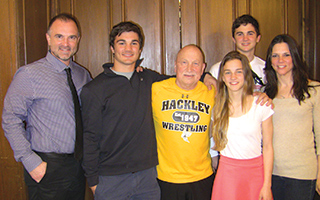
point(258, 38)
point(203, 67)
point(48, 39)
point(175, 67)
point(223, 78)
point(234, 41)
point(112, 50)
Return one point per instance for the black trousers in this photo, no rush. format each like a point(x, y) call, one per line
point(64, 179)
point(199, 190)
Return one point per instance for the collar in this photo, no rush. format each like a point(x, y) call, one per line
point(56, 63)
point(107, 66)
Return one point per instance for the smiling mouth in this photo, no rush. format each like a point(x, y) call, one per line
point(245, 44)
point(65, 49)
point(281, 66)
point(189, 75)
point(233, 83)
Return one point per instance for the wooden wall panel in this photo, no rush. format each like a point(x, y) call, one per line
point(189, 22)
point(148, 15)
point(65, 6)
point(11, 177)
point(171, 35)
point(94, 20)
point(294, 20)
point(59, 6)
point(270, 15)
point(35, 16)
point(117, 11)
point(215, 19)
point(312, 39)
point(241, 7)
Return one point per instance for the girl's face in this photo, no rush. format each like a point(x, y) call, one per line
point(281, 59)
point(233, 75)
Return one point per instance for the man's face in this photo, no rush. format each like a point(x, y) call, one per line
point(63, 38)
point(245, 38)
point(126, 50)
point(189, 67)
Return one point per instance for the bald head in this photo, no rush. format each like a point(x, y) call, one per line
point(189, 66)
point(191, 47)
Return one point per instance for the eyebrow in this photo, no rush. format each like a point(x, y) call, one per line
point(59, 34)
point(281, 52)
point(123, 40)
point(230, 69)
point(243, 32)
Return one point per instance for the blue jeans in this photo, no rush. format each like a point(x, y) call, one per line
point(284, 188)
point(141, 185)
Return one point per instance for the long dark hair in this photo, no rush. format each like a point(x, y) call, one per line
point(299, 72)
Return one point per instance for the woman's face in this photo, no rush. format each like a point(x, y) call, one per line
point(233, 75)
point(281, 59)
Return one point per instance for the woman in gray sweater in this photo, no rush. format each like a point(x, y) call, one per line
point(296, 121)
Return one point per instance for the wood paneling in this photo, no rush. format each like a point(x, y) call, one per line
point(189, 22)
point(294, 20)
point(206, 23)
point(94, 48)
point(117, 11)
point(270, 15)
point(171, 35)
point(148, 15)
point(11, 175)
point(242, 7)
point(65, 6)
point(35, 16)
point(215, 19)
point(312, 39)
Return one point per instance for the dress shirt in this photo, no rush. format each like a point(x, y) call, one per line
point(38, 111)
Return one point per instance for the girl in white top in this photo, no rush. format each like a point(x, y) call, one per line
point(239, 126)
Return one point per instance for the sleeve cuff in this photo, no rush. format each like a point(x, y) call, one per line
point(203, 75)
point(31, 162)
point(92, 181)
